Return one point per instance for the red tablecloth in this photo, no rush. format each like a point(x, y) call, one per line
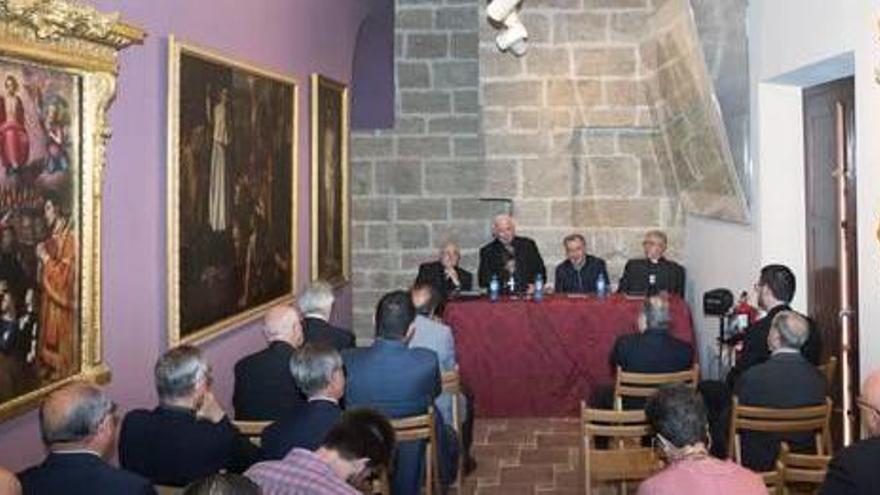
point(522, 358)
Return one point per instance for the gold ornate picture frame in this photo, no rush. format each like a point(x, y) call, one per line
point(58, 64)
point(331, 246)
point(232, 192)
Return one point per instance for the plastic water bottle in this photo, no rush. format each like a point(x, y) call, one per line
point(494, 288)
point(601, 287)
point(539, 287)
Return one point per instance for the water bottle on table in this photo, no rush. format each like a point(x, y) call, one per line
point(494, 288)
point(601, 287)
point(539, 287)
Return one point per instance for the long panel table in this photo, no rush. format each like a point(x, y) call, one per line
point(524, 358)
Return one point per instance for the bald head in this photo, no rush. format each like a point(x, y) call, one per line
point(282, 323)
point(789, 330)
point(9, 483)
point(504, 228)
point(870, 403)
point(73, 415)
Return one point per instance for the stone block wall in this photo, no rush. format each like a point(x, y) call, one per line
point(583, 134)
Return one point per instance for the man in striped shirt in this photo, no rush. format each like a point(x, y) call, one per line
point(360, 442)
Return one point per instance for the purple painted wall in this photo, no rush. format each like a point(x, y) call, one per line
point(294, 37)
point(372, 90)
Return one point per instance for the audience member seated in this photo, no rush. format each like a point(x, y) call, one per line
point(359, 443)
point(653, 273)
point(510, 256)
point(678, 418)
point(9, 484)
point(652, 350)
point(786, 380)
point(579, 273)
point(316, 303)
point(264, 388)
point(445, 274)
point(78, 426)
point(400, 382)
point(188, 436)
point(318, 372)
point(775, 288)
point(432, 334)
point(853, 471)
point(223, 484)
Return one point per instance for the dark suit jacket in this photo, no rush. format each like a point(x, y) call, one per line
point(653, 351)
point(318, 330)
point(170, 446)
point(304, 428)
point(433, 273)
point(786, 380)
point(264, 388)
point(400, 382)
point(581, 281)
point(529, 263)
point(81, 473)
point(669, 276)
point(755, 349)
point(853, 471)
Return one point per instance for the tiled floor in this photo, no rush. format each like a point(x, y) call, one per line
point(526, 457)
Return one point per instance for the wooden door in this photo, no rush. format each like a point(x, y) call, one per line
point(831, 234)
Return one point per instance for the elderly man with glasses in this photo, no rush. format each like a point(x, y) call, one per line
point(653, 273)
point(78, 426)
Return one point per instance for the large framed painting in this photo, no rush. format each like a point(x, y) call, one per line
point(331, 252)
point(58, 64)
point(231, 192)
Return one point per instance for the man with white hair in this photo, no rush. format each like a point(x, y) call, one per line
point(188, 436)
point(264, 388)
point(316, 304)
point(444, 274)
point(510, 256)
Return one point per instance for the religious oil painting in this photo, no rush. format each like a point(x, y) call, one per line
point(231, 186)
point(40, 257)
point(330, 172)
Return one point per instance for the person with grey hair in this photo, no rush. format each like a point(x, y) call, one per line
point(654, 273)
point(678, 418)
point(444, 273)
point(188, 436)
point(653, 349)
point(316, 304)
point(317, 369)
point(580, 271)
point(510, 256)
point(78, 426)
point(786, 380)
point(264, 389)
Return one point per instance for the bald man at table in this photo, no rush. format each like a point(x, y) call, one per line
point(510, 255)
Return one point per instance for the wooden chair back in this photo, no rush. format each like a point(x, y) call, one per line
point(644, 385)
point(828, 370)
point(815, 419)
point(452, 385)
point(168, 490)
point(414, 428)
point(803, 471)
point(624, 459)
point(252, 429)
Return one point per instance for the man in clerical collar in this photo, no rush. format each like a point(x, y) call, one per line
point(78, 425)
point(653, 273)
point(579, 272)
point(510, 256)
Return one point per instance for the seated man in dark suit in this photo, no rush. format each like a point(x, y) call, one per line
point(652, 350)
point(188, 436)
point(853, 471)
point(400, 382)
point(579, 273)
point(653, 273)
point(786, 380)
point(78, 426)
point(775, 289)
point(317, 369)
point(444, 274)
point(316, 304)
point(264, 389)
point(510, 256)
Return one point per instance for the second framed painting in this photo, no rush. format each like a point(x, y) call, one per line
point(232, 161)
point(331, 253)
